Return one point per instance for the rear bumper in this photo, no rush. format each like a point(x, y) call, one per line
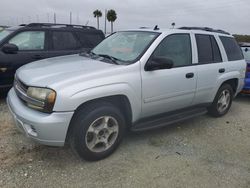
point(246, 88)
point(47, 129)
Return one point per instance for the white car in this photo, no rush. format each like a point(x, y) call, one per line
point(137, 80)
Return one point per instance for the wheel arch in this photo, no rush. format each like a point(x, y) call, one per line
point(120, 101)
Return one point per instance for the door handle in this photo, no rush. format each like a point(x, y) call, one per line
point(190, 75)
point(222, 70)
point(37, 57)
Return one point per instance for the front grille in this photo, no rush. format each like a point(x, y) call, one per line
point(21, 85)
point(21, 89)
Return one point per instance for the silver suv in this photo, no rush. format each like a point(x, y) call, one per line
point(137, 80)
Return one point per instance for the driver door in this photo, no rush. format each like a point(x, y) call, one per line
point(165, 90)
point(31, 47)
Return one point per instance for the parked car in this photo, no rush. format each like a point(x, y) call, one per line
point(136, 80)
point(246, 52)
point(2, 27)
point(26, 43)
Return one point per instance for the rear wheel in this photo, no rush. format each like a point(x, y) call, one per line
point(97, 131)
point(222, 101)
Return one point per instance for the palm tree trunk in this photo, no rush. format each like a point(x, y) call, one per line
point(111, 27)
point(98, 22)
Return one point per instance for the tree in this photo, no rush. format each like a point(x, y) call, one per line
point(97, 14)
point(111, 17)
point(173, 24)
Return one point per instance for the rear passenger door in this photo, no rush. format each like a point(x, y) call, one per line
point(210, 66)
point(63, 43)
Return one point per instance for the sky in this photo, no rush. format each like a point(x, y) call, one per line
point(230, 15)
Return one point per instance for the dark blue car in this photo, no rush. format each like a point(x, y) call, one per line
point(246, 52)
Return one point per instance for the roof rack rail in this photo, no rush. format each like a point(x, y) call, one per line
point(205, 29)
point(58, 25)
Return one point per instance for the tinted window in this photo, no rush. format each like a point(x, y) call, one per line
point(216, 51)
point(89, 40)
point(208, 50)
point(64, 41)
point(29, 40)
point(232, 48)
point(176, 48)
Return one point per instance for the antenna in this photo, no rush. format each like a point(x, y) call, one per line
point(156, 28)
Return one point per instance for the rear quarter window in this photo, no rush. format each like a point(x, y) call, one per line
point(64, 40)
point(232, 48)
point(89, 40)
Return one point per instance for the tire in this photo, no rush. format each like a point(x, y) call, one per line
point(97, 130)
point(221, 106)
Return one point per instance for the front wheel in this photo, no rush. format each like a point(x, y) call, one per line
point(97, 131)
point(222, 101)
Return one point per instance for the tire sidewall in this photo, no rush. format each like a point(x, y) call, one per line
point(81, 126)
point(214, 105)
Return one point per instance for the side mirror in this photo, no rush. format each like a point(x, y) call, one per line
point(157, 63)
point(10, 48)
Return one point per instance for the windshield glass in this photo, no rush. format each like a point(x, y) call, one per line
point(246, 52)
point(125, 46)
point(4, 33)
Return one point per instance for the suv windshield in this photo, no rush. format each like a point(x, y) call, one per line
point(246, 53)
point(125, 46)
point(4, 33)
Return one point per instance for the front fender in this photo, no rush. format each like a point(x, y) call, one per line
point(83, 96)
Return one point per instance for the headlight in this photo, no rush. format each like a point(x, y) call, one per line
point(43, 98)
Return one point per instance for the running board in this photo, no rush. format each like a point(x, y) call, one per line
point(163, 120)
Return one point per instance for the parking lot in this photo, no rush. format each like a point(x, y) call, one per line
point(201, 152)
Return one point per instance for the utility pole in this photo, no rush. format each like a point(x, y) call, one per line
point(54, 18)
point(37, 18)
point(48, 17)
point(77, 18)
point(105, 26)
point(70, 18)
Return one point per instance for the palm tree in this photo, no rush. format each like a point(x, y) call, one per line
point(111, 17)
point(97, 14)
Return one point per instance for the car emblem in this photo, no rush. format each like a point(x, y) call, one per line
point(3, 69)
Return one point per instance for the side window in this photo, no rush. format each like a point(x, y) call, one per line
point(216, 51)
point(208, 50)
point(29, 40)
point(63, 40)
point(232, 48)
point(89, 40)
point(177, 48)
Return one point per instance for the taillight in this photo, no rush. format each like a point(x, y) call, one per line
point(248, 68)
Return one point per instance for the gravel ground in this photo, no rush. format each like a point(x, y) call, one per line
point(201, 152)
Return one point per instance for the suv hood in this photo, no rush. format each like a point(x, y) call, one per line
point(60, 69)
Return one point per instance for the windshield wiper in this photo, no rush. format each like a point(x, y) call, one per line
point(113, 59)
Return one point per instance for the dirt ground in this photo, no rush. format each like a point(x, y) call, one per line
point(201, 152)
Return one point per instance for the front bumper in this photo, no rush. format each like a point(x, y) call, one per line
point(48, 129)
